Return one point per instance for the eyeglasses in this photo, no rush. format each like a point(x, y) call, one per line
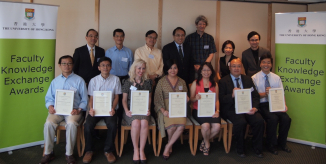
point(149, 37)
point(91, 36)
point(68, 64)
point(105, 65)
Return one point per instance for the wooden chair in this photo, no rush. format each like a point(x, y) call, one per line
point(124, 134)
point(101, 126)
point(62, 126)
point(189, 126)
point(223, 130)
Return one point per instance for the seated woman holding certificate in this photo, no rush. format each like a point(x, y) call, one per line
point(205, 83)
point(174, 126)
point(139, 123)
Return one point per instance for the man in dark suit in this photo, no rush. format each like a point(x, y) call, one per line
point(227, 85)
point(181, 53)
point(251, 56)
point(86, 57)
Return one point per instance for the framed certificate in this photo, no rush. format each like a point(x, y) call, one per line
point(139, 102)
point(177, 104)
point(242, 101)
point(102, 103)
point(64, 101)
point(276, 100)
point(206, 105)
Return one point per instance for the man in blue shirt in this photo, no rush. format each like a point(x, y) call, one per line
point(122, 59)
point(66, 81)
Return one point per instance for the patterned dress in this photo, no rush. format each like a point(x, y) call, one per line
point(147, 85)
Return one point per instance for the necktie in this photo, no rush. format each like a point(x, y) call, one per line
point(92, 56)
point(238, 85)
point(266, 82)
point(180, 53)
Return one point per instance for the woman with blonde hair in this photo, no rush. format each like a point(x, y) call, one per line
point(139, 123)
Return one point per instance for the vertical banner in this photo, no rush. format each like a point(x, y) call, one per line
point(300, 52)
point(27, 56)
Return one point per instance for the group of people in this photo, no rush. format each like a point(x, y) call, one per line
point(182, 66)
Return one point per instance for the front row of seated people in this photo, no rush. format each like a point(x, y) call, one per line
point(260, 84)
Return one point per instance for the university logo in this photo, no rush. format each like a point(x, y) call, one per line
point(301, 21)
point(29, 13)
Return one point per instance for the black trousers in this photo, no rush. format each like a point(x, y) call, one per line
point(272, 119)
point(240, 122)
point(120, 110)
point(111, 124)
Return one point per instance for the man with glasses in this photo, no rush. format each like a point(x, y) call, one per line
point(227, 85)
point(251, 56)
point(66, 81)
point(154, 62)
point(181, 53)
point(102, 82)
point(86, 57)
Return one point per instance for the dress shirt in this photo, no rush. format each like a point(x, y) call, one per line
point(155, 65)
point(183, 54)
point(89, 49)
point(111, 83)
point(198, 44)
point(121, 60)
point(259, 81)
point(72, 82)
point(235, 82)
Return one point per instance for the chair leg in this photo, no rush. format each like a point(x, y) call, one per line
point(196, 140)
point(149, 138)
point(83, 141)
point(225, 132)
point(58, 136)
point(43, 149)
point(181, 138)
point(159, 141)
point(78, 141)
point(122, 140)
point(116, 143)
point(154, 139)
point(126, 136)
point(191, 133)
point(230, 127)
point(220, 135)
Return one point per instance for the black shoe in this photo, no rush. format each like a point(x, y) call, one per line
point(136, 161)
point(259, 154)
point(165, 157)
point(47, 158)
point(286, 149)
point(143, 161)
point(272, 149)
point(241, 153)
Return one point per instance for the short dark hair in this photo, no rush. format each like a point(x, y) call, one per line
point(118, 30)
point(178, 28)
point(168, 64)
point(91, 30)
point(65, 57)
point(150, 32)
point(212, 78)
point(226, 43)
point(266, 56)
point(102, 59)
point(251, 34)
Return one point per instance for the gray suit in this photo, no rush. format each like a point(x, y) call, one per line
point(249, 63)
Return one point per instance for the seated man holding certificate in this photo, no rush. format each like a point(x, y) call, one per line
point(69, 108)
point(174, 126)
point(102, 89)
point(265, 80)
point(139, 117)
point(228, 85)
point(210, 125)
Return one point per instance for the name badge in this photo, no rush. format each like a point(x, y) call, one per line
point(73, 89)
point(209, 91)
point(228, 63)
point(206, 47)
point(252, 89)
point(98, 59)
point(180, 88)
point(124, 59)
point(133, 88)
point(151, 56)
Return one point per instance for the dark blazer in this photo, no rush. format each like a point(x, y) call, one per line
point(82, 62)
point(186, 67)
point(224, 67)
point(249, 63)
point(226, 86)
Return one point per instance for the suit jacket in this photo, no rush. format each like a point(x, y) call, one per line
point(186, 67)
point(227, 103)
point(249, 63)
point(82, 62)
